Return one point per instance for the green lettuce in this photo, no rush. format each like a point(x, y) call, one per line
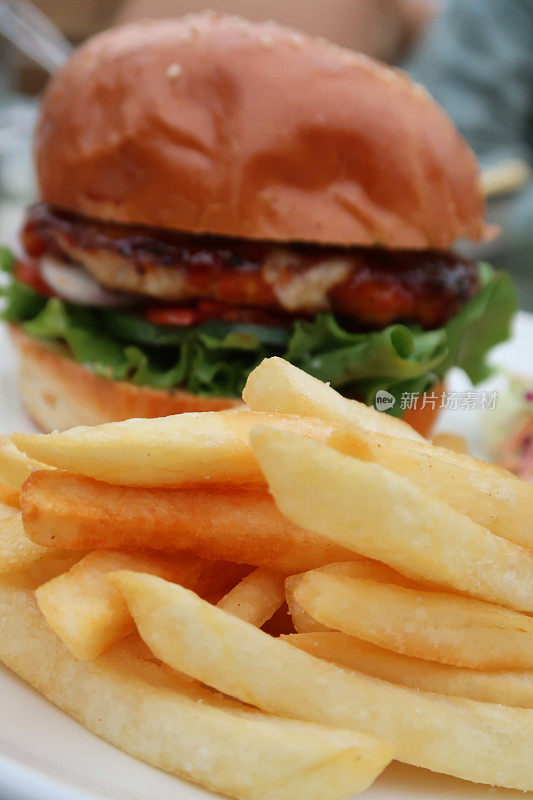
point(7, 260)
point(215, 358)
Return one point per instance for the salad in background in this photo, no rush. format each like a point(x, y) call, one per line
point(509, 428)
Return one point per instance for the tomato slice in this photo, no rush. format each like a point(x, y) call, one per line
point(205, 310)
point(178, 317)
point(28, 272)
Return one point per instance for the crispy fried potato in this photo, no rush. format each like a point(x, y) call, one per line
point(431, 625)
point(302, 621)
point(276, 386)
point(15, 467)
point(360, 568)
point(256, 598)
point(451, 442)
point(134, 646)
point(505, 688)
point(16, 550)
point(184, 449)
point(90, 616)
point(8, 495)
point(239, 525)
point(175, 724)
point(489, 495)
point(385, 516)
point(7, 511)
point(477, 741)
point(54, 563)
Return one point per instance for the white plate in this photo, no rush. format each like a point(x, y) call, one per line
point(44, 755)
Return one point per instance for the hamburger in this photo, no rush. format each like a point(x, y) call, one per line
point(214, 192)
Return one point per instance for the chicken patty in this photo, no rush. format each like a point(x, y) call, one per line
point(373, 287)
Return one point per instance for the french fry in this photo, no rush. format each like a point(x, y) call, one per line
point(135, 647)
point(239, 525)
point(7, 511)
point(504, 688)
point(17, 551)
point(8, 495)
point(184, 449)
point(365, 569)
point(489, 495)
point(434, 626)
point(256, 598)
point(278, 387)
point(175, 724)
point(360, 568)
point(54, 563)
point(382, 515)
point(15, 467)
point(302, 621)
point(451, 442)
point(89, 616)
point(477, 741)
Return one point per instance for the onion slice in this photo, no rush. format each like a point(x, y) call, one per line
point(74, 284)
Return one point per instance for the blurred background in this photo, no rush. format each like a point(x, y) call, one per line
point(475, 57)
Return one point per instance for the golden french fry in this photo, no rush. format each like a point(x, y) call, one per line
point(54, 563)
point(385, 516)
point(7, 511)
point(451, 442)
point(276, 386)
point(184, 449)
point(89, 615)
point(15, 467)
point(431, 625)
point(361, 568)
point(505, 177)
point(504, 688)
point(302, 621)
point(489, 495)
point(135, 647)
point(177, 725)
point(256, 598)
point(16, 550)
point(476, 741)
point(280, 623)
point(239, 525)
point(8, 495)
point(365, 569)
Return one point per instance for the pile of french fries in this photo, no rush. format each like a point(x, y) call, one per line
point(277, 600)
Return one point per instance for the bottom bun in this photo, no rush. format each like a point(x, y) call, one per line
point(58, 393)
point(424, 416)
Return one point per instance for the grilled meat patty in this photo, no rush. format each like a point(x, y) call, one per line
point(373, 287)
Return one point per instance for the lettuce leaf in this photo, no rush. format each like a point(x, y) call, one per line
point(215, 358)
point(7, 260)
point(21, 303)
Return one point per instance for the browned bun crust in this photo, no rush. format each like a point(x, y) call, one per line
point(58, 393)
point(210, 124)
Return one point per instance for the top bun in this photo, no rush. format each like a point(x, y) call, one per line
point(211, 124)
